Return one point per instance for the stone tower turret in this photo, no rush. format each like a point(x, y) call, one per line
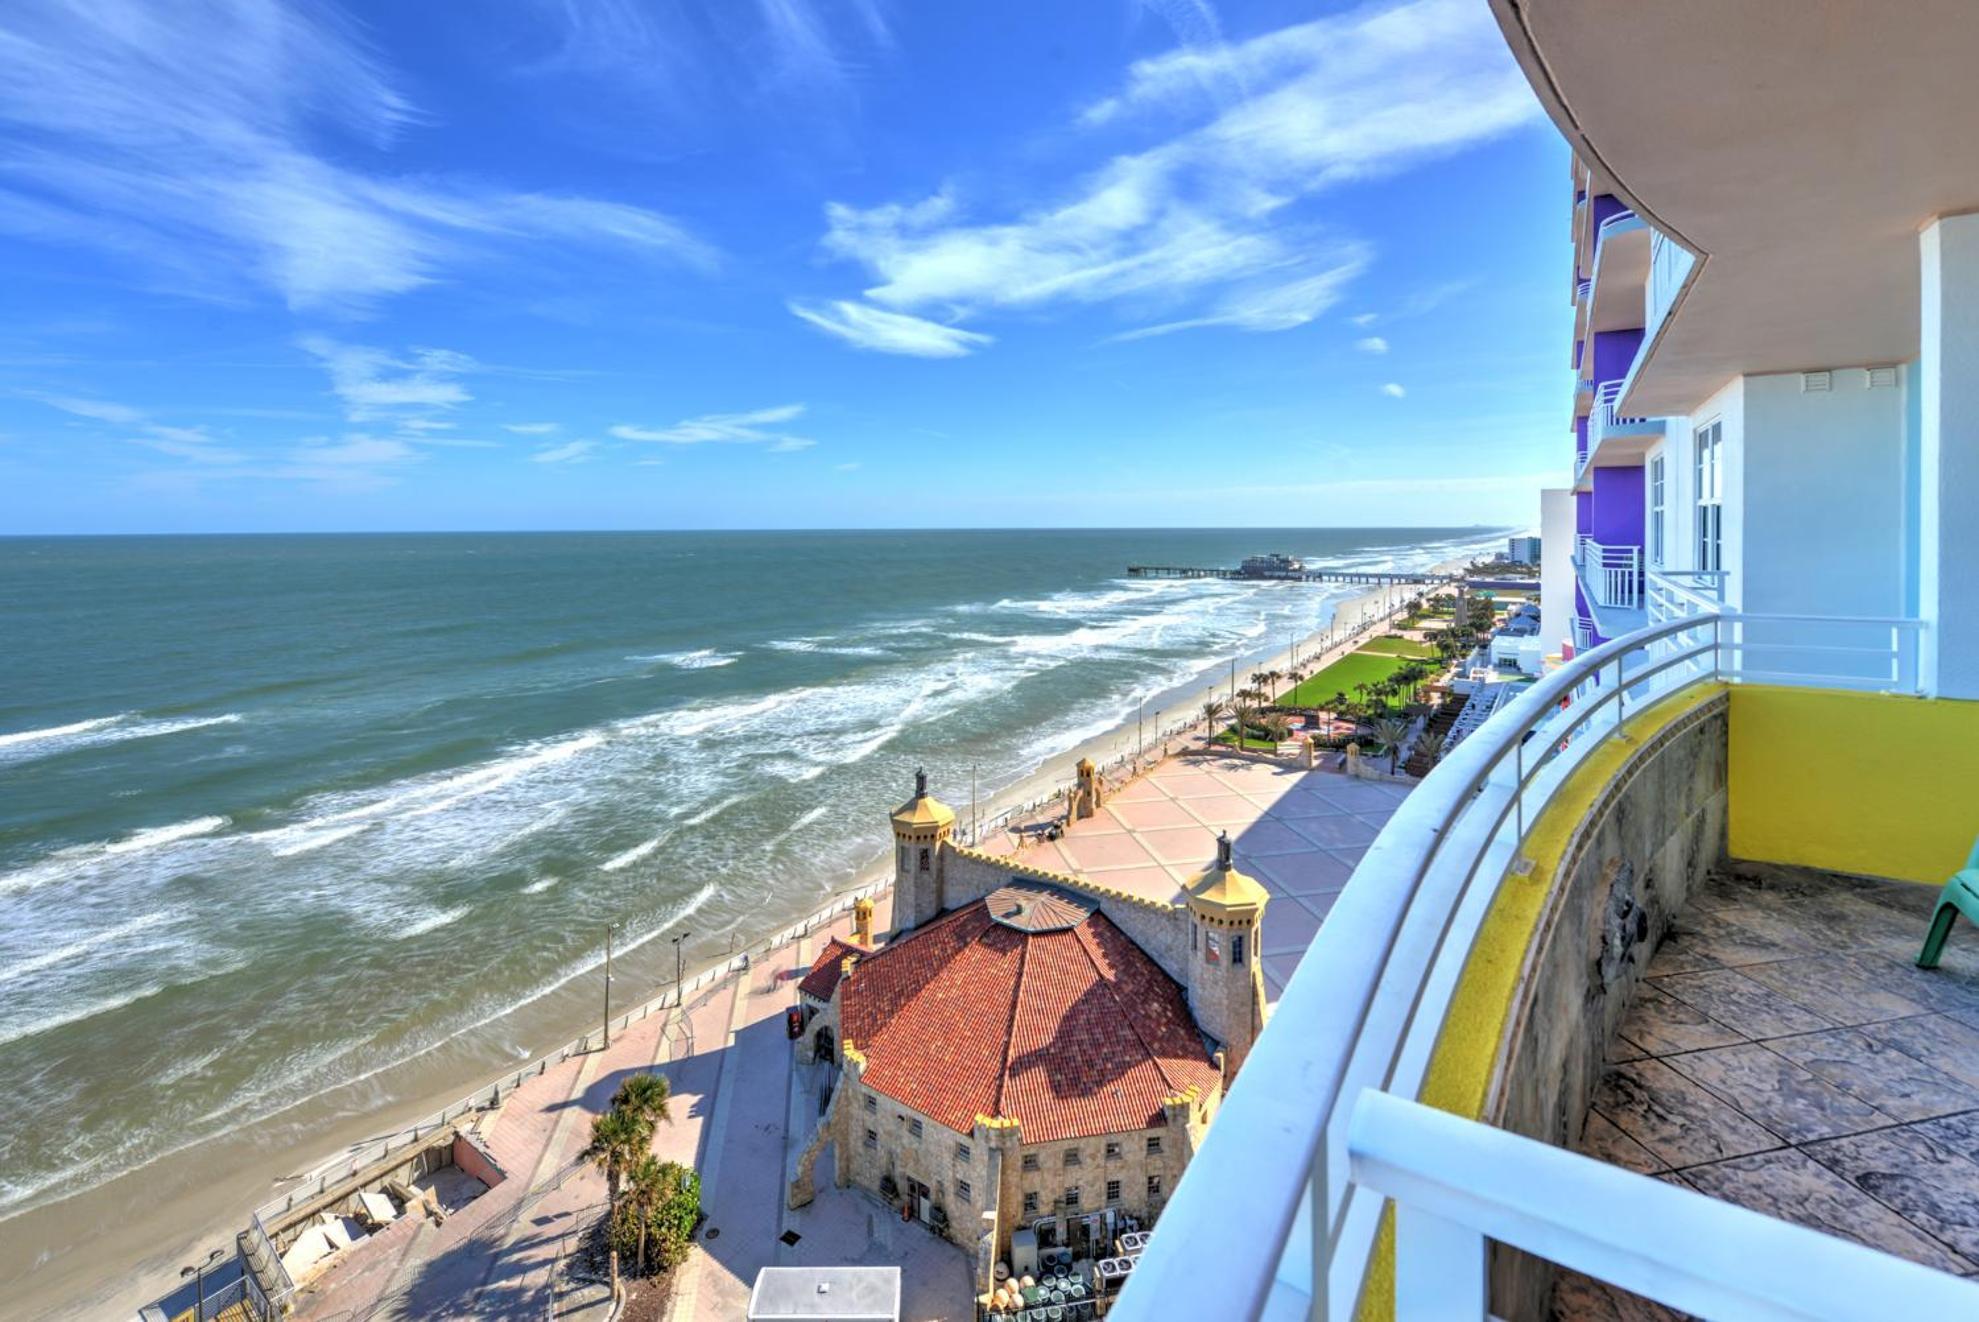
point(921, 826)
point(1226, 974)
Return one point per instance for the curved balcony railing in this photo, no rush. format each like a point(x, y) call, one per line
point(1274, 1218)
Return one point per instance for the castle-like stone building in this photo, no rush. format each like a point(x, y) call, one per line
point(1029, 1049)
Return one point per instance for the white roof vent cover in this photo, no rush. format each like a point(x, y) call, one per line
point(1816, 383)
point(1882, 378)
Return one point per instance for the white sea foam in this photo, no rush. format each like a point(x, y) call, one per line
point(707, 815)
point(805, 820)
point(165, 835)
point(619, 862)
point(23, 745)
point(21, 738)
point(72, 1013)
point(701, 658)
point(310, 843)
point(74, 949)
point(540, 885)
point(432, 922)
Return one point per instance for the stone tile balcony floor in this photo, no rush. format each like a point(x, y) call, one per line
point(1784, 1053)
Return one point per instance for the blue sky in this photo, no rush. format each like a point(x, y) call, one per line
point(767, 263)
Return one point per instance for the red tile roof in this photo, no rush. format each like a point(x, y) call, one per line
point(1074, 1032)
point(829, 967)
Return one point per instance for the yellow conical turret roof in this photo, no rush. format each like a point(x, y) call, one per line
point(1223, 890)
point(923, 812)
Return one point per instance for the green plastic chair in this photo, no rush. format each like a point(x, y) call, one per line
point(1960, 896)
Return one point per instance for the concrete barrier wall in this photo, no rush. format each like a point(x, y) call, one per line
point(1637, 844)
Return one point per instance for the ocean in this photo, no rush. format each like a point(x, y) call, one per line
point(286, 814)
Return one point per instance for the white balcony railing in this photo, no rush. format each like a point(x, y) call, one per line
point(1612, 575)
point(1676, 593)
point(1458, 1184)
point(1277, 1214)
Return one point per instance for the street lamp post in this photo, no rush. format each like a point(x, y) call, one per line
point(198, 1273)
point(609, 929)
point(676, 965)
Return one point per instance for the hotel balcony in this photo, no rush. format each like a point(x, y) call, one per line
point(1618, 1015)
point(1611, 586)
point(1614, 440)
point(1621, 267)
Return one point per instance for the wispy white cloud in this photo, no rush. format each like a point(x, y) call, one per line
point(95, 409)
point(1365, 319)
point(196, 444)
point(1372, 344)
point(753, 428)
point(569, 452)
point(374, 383)
point(849, 467)
point(1213, 223)
point(226, 145)
point(866, 327)
point(1393, 390)
point(531, 428)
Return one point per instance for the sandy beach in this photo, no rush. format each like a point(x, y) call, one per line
point(195, 1199)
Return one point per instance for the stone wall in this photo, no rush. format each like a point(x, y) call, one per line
point(1651, 834)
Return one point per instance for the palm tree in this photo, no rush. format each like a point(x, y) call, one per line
point(1429, 747)
point(618, 1140)
point(1391, 732)
point(1212, 712)
point(646, 1187)
point(645, 1095)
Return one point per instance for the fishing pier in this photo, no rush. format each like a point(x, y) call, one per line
point(1368, 577)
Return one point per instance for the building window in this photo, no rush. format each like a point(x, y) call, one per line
point(1071, 1197)
point(1030, 1204)
point(872, 1105)
point(1657, 502)
point(1030, 1161)
point(1154, 1145)
point(872, 1138)
point(1113, 1191)
point(1071, 1156)
point(964, 1192)
point(914, 1128)
point(962, 1152)
point(1237, 951)
point(1710, 497)
point(1154, 1186)
point(1192, 938)
point(1112, 1149)
point(924, 860)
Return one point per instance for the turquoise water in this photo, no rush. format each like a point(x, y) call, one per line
point(279, 813)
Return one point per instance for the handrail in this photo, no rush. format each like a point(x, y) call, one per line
point(1265, 1151)
point(1622, 219)
point(1457, 1183)
point(1272, 1183)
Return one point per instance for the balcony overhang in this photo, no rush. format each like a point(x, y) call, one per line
point(1721, 125)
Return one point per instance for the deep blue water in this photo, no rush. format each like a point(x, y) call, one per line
point(280, 812)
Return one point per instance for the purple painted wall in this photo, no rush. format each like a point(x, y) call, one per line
point(1580, 348)
point(1580, 438)
point(1614, 351)
point(1617, 506)
point(1606, 205)
point(1583, 512)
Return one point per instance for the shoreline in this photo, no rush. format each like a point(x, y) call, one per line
point(338, 1120)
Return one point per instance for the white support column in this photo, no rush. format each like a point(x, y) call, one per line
point(1439, 1268)
point(1948, 513)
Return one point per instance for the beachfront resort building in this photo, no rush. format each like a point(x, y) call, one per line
point(1031, 1060)
point(1626, 999)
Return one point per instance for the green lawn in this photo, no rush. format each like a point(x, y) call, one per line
point(1403, 647)
point(1354, 668)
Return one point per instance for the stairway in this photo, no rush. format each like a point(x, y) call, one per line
point(1438, 725)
